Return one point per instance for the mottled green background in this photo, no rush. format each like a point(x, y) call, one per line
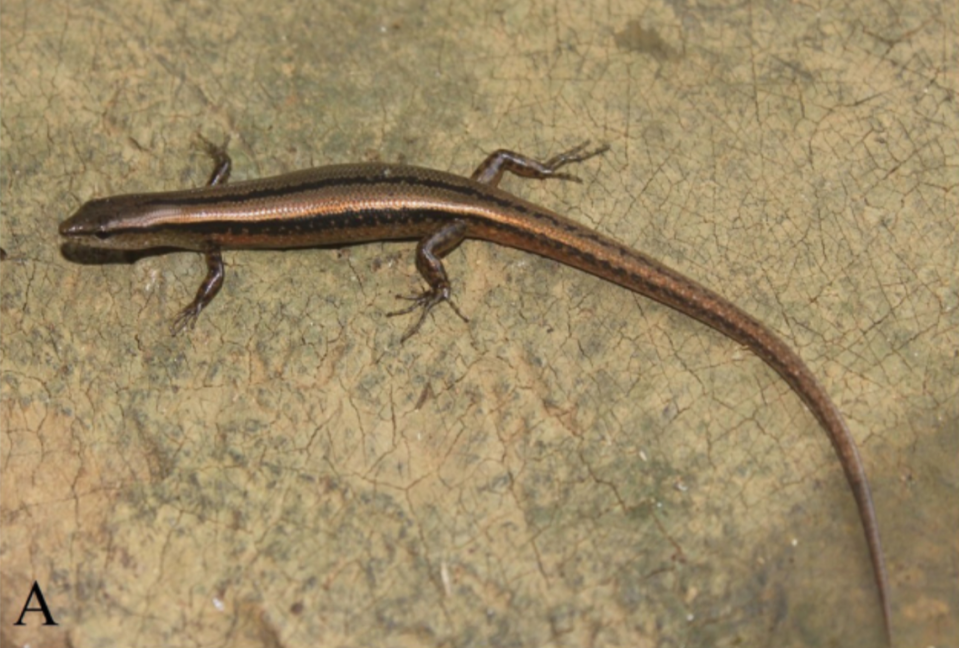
point(576, 466)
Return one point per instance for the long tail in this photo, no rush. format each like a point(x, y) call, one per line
point(572, 244)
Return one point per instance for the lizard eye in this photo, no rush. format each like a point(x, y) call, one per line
point(102, 236)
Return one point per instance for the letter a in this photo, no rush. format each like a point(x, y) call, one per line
point(35, 591)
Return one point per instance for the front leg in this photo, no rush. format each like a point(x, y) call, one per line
point(186, 318)
point(429, 254)
point(208, 289)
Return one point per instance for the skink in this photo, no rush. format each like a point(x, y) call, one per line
point(354, 203)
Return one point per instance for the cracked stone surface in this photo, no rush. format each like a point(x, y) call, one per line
point(576, 465)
